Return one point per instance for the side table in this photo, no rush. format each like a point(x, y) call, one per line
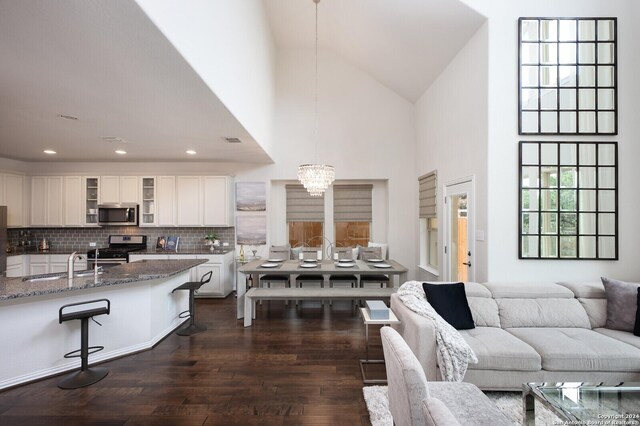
point(367, 322)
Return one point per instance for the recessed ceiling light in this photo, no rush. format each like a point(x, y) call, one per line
point(49, 151)
point(191, 152)
point(121, 152)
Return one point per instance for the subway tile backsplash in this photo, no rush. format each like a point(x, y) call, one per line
point(79, 238)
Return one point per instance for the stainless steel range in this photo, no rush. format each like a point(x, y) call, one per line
point(118, 251)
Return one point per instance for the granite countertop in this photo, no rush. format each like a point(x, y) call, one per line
point(144, 270)
point(203, 250)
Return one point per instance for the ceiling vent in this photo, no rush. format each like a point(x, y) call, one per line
point(232, 140)
point(114, 139)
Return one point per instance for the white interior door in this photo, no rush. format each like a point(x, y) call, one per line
point(459, 230)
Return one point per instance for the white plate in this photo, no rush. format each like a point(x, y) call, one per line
point(382, 265)
point(375, 260)
point(310, 261)
point(308, 265)
point(345, 261)
point(275, 260)
point(345, 265)
point(269, 265)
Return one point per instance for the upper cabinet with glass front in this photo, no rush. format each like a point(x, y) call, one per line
point(567, 76)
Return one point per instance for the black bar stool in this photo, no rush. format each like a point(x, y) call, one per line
point(86, 376)
point(193, 287)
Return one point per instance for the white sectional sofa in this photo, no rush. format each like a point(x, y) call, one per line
point(531, 333)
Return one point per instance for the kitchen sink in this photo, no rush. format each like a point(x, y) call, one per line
point(36, 279)
point(85, 274)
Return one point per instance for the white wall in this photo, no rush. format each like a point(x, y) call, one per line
point(229, 44)
point(502, 241)
point(365, 130)
point(451, 122)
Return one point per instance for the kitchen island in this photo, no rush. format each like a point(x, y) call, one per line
point(143, 312)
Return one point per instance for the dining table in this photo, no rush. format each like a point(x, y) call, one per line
point(293, 268)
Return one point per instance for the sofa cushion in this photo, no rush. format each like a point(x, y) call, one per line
point(623, 336)
point(476, 290)
point(621, 304)
point(484, 311)
point(542, 313)
point(498, 350)
point(596, 310)
point(586, 289)
point(578, 349)
point(450, 301)
point(528, 290)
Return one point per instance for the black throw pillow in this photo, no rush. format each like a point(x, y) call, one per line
point(636, 328)
point(450, 301)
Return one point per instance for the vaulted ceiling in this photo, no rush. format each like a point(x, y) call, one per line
point(105, 63)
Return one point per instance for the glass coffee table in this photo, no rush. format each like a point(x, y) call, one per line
point(581, 403)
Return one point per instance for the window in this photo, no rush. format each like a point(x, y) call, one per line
point(352, 214)
point(568, 200)
point(428, 221)
point(305, 217)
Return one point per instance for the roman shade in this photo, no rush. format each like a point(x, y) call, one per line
point(302, 207)
point(427, 184)
point(352, 203)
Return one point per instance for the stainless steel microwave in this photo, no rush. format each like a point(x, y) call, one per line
point(118, 214)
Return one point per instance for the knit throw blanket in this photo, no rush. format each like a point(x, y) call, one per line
point(454, 353)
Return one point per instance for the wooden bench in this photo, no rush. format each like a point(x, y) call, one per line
point(256, 294)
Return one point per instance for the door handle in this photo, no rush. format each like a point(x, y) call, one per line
point(467, 263)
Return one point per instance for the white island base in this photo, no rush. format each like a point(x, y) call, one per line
point(33, 342)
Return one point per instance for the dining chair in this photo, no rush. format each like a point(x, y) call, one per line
point(310, 280)
point(276, 280)
point(378, 280)
point(342, 280)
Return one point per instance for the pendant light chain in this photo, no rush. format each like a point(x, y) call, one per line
point(316, 178)
point(317, 135)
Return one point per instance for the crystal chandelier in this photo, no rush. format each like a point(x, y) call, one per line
point(316, 178)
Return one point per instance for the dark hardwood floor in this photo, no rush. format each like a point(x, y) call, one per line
point(294, 366)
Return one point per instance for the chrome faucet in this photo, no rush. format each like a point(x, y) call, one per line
point(95, 267)
point(70, 263)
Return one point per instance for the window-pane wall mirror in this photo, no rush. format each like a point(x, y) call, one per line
point(567, 75)
point(568, 200)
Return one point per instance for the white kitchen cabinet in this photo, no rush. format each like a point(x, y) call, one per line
point(119, 189)
point(129, 190)
point(218, 201)
point(109, 190)
point(214, 287)
point(39, 264)
point(188, 201)
point(148, 207)
point(38, 200)
point(166, 200)
point(73, 201)
point(221, 267)
point(15, 266)
point(46, 200)
point(14, 188)
point(52, 263)
point(91, 192)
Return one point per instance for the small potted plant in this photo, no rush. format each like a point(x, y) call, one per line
point(212, 240)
